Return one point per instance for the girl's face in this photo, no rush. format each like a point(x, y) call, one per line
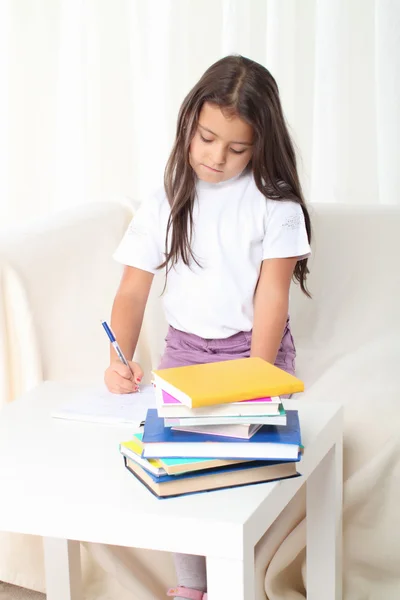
point(222, 145)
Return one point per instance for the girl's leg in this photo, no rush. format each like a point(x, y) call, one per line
point(191, 571)
point(190, 568)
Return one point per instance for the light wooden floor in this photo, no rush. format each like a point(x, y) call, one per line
point(10, 592)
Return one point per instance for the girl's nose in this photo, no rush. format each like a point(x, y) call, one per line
point(219, 155)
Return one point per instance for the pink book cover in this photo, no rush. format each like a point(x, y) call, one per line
point(168, 400)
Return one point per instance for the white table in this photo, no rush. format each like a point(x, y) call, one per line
point(66, 482)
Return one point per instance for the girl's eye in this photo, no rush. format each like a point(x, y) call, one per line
point(207, 141)
point(237, 151)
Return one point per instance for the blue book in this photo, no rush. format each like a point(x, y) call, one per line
point(271, 442)
point(246, 473)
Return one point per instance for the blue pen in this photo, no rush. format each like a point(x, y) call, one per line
point(116, 347)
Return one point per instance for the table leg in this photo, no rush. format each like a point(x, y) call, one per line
point(231, 578)
point(324, 527)
point(63, 569)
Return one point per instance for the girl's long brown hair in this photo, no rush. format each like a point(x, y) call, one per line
point(246, 88)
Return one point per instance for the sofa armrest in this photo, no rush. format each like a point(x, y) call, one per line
point(20, 363)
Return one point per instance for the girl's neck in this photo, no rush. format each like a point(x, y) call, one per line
point(206, 185)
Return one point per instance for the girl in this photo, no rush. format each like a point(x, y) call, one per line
point(230, 229)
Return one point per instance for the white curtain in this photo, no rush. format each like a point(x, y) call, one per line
point(90, 91)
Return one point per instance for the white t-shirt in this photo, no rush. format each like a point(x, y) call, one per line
point(235, 229)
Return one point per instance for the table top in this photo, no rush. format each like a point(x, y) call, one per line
point(67, 479)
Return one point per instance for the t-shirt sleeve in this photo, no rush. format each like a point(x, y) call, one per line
point(285, 234)
point(142, 246)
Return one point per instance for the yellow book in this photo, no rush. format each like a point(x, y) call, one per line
point(226, 381)
point(133, 449)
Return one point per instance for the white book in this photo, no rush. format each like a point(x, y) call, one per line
point(279, 419)
point(244, 431)
point(240, 449)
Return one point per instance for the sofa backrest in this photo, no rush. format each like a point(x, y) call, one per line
point(354, 280)
point(65, 266)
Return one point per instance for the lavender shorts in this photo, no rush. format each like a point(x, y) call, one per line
point(188, 349)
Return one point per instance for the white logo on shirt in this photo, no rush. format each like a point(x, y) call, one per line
point(292, 222)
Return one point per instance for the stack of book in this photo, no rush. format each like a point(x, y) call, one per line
point(216, 425)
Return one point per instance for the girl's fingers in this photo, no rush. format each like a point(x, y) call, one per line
point(122, 370)
point(137, 372)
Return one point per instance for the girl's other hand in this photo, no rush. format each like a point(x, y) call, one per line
point(119, 379)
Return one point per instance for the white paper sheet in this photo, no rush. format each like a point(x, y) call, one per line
point(98, 405)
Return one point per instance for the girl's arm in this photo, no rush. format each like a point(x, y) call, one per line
point(126, 322)
point(128, 309)
point(271, 304)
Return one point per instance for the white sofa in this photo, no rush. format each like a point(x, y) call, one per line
point(58, 280)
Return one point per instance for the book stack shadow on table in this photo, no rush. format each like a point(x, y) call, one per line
point(216, 425)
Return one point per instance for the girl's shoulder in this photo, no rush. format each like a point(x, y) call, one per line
point(274, 213)
point(158, 197)
point(271, 204)
point(155, 204)
point(262, 200)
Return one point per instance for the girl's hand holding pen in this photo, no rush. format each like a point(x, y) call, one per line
point(123, 379)
point(122, 376)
